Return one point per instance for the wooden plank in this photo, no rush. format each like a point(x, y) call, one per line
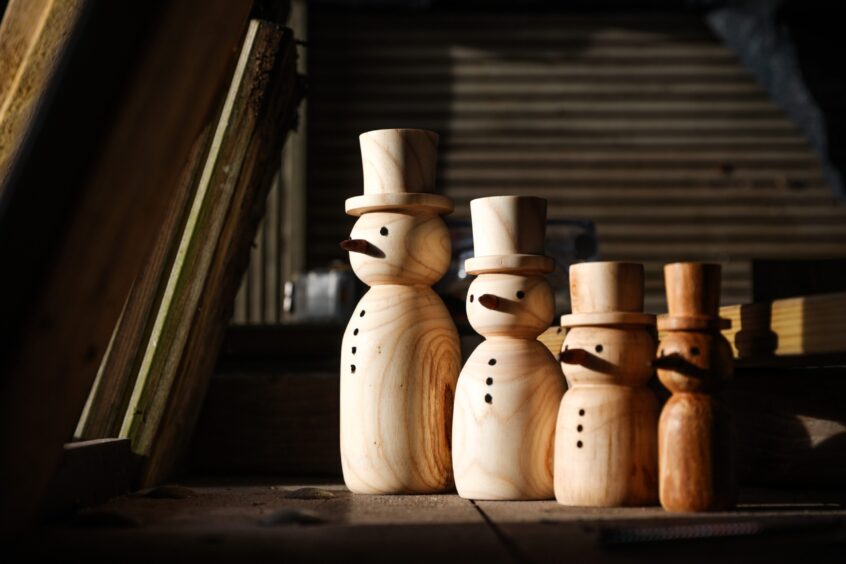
point(305, 521)
point(214, 250)
point(19, 29)
point(107, 403)
point(278, 521)
point(57, 329)
point(541, 531)
point(33, 37)
point(794, 326)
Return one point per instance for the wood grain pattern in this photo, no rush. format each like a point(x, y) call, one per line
point(398, 160)
point(695, 433)
point(696, 453)
point(213, 250)
point(394, 241)
point(508, 392)
point(79, 296)
point(400, 353)
point(804, 325)
point(605, 443)
point(509, 389)
point(109, 397)
point(33, 37)
point(399, 363)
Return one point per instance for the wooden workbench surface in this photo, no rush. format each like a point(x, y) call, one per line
point(272, 520)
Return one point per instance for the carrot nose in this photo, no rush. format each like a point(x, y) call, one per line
point(671, 361)
point(359, 246)
point(573, 356)
point(489, 301)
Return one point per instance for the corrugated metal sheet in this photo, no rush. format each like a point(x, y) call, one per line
point(645, 124)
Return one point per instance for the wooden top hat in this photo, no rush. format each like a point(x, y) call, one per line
point(606, 293)
point(509, 233)
point(399, 172)
point(693, 297)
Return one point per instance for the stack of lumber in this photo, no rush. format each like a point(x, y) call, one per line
point(128, 213)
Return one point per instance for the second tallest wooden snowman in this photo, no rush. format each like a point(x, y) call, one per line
point(509, 390)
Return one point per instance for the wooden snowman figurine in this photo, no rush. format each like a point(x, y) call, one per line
point(400, 357)
point(509, 390)
point(696, 455)
point(606, 435)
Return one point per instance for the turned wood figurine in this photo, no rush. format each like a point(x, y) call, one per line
point(696, 456)
point(606, 434)
point(509, 390)
point(400, 357)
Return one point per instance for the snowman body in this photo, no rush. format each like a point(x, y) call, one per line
point(508, 393)
point(400, 359)
point(695, 432)
point(606, 445)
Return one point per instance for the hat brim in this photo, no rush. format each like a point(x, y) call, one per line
point(692, 323)
point(527, 264)
point(434, 203)
point(607, 318)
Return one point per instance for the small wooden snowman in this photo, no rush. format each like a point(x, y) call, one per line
point(509, 390)
point(696, 455)
point(400, 357)
point(606, 435)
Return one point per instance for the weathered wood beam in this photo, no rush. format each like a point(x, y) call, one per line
point(214, 248)
point(106, 407)
point(33, 38)
point(89, 258)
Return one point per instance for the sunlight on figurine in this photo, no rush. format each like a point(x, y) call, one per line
point(509, 389)
point(696, 452)
point(606, 435)
point(400, 354)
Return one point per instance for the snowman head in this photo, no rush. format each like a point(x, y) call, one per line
point(510, 305)
point(399, 247)
point(619, 355)
point(692, 361)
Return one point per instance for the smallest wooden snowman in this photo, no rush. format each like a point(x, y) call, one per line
point(696, 456)
point(508, 392)
point(606, 443)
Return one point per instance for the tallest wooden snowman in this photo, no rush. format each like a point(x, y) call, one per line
point(400, 357)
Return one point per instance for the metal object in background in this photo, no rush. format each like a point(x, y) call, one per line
point(568, 241)
point(325, 294)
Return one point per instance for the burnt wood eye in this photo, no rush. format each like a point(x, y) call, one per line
point(599, 348)
point(521, 294)
point(488, 398)
point(694, 351)
point(471, 298)
point(384, 231)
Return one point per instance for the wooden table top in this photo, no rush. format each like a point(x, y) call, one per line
point(282, 520)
